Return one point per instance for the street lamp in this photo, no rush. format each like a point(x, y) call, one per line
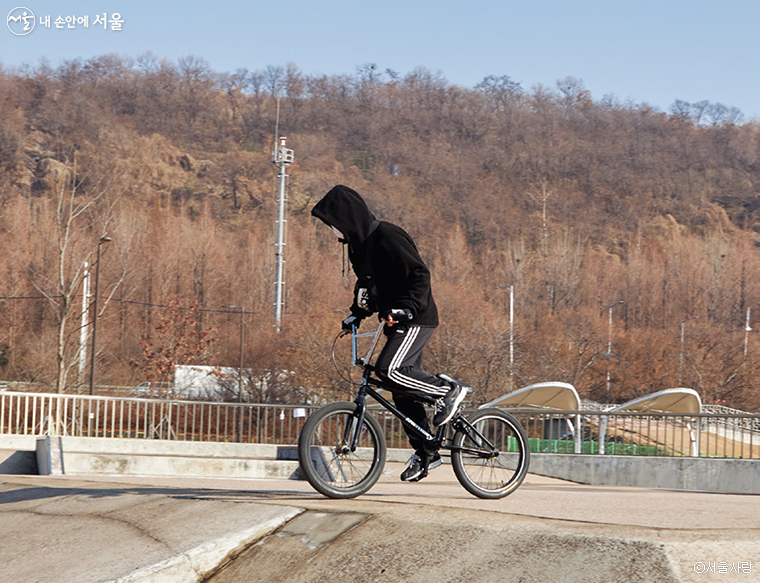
point(609, 343)
point(240, 371)
point(680, 361)
point(95, 313)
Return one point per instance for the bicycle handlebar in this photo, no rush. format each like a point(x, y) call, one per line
point(355, 335)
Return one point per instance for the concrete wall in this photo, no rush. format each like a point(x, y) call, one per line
point(698, 474)
point(95, 456)
point(150, 457)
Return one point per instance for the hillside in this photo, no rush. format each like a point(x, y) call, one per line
point(578, 203)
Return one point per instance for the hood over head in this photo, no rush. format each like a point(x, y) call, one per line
point(345, 209)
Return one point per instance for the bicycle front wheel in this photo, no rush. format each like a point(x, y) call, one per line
point(327, 459)
point(490, 454)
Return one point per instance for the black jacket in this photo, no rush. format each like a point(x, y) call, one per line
point(390, 272)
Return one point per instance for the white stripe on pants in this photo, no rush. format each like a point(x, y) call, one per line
point(400, 361)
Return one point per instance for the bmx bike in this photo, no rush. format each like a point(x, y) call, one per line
point(342, 448)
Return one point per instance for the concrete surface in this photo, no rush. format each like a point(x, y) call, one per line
point(137, 529)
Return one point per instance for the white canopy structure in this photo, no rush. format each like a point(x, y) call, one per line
point(555, 395)
point(680, 401)
point(551, 396)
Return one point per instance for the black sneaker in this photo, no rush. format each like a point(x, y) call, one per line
point(419, 465)
point(447, 406)
point(453, 382)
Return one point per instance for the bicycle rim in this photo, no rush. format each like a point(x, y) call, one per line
point(327, 463)
point(485, 471)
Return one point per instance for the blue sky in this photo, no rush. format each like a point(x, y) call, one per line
point(644, 51)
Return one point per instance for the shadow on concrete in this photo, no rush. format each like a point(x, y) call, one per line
point(19, 462)
point(27, 494)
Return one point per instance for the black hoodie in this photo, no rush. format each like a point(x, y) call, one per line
point(383, 256)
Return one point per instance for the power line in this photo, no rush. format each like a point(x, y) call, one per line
point(29, 297)
point(148, 304)
point(123, 301)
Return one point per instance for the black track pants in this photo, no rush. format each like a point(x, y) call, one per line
point(400, 364)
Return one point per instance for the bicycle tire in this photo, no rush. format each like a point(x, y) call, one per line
point(336, 473)
point(481, 471)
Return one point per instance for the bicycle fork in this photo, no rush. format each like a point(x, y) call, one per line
point(352, 430)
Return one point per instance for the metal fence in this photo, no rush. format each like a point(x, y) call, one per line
point(41, 414)
point(715, 435)
point(725, 435)
point(136, 418)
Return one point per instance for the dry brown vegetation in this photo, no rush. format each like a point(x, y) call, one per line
point(577, 203)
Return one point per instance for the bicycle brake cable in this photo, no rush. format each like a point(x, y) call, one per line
point(349, 380)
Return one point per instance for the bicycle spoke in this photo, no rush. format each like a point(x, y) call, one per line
point(331, 466)
point(490, 455)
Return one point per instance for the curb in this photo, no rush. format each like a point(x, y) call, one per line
point(196, 564)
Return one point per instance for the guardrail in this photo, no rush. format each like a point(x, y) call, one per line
point(721, 435)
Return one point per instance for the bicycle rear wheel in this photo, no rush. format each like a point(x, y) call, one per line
point(491, 456)
point(328, 463)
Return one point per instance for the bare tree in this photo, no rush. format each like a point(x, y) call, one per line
point(540, 195)
point(572, 93)
point(681, 109)
point(75, 219)
point(699, 110)
point(502, 91)
point(275, 80)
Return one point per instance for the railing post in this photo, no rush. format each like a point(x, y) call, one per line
point(602, 432)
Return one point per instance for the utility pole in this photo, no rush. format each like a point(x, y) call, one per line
point(747, 330)
point(511, 337)
point(680, 358)
point(95, 315)
point(511, 289)
point(282, 157)
point(83, 330)
point(609, 354)
point(240, 372)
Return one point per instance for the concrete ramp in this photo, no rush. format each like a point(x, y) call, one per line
point(153, 530)
point(321, 546)
point(92, 534)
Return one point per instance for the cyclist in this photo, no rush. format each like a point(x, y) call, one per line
point(394, 282)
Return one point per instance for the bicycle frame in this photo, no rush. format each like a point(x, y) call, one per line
point(436, 441)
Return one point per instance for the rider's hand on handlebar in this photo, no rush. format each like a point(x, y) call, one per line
point(396, 315)
point(349, 323)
